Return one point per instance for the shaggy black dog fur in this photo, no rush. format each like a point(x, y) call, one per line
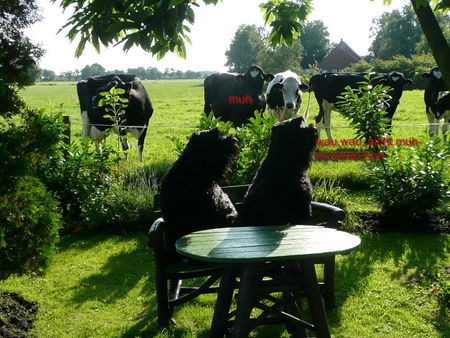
point(191, 198)
point(281, 191)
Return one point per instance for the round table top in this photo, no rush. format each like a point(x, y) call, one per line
point(265, 243)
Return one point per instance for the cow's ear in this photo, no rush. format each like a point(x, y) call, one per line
point(303, 87)
point(128, 86)
point(240, 78)
point(268, 77)
point(409, 82)
point(425, 75)
point(277, 85)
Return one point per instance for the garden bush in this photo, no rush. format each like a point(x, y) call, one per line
point(411, 183)
point(407, 182)
point(127, 207)
point(411, 67)
point(29, 224)
point(79, 174)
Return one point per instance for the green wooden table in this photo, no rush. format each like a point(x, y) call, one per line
point(243, 250)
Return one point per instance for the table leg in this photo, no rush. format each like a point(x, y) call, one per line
point(223, 303)
point(314, 298)
point(245, 301)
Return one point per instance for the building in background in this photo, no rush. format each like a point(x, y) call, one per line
point(340, 57)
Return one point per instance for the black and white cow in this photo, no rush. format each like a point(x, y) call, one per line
point(284, 95)
point(437, 102)
point(235, 97)
point(137, 113)
point(328, 87)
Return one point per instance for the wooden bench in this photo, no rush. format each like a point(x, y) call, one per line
point(169, 275)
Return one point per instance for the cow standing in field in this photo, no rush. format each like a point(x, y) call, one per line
point(236, 97)
point(437, 102)
point(328, 87)
point(284, 95)
point(137, 113)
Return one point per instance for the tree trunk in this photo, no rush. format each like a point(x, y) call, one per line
point(435, 37)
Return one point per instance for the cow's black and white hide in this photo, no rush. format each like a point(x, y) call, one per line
point(328, 87)
point(137, 114)
point(191, 198)
point(284, 95)
point(437, 102)
point(281, 191)
point(236, 97)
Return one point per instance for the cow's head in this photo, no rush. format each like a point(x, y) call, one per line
point(396, 81)
point(434, 77)
point(291, 89)
point(253, 82)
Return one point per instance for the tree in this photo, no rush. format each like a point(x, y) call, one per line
point(433, 33)
point(315, 42)
point(244, 49)
point(140, 72)
point(17, 54)
point(395, 33)
point(92, 70)
point(443, 20)
point(48, 75)
point(275, 60)
point(162, 26)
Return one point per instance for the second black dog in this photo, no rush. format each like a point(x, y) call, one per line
point(281, 191)
point(191, 198)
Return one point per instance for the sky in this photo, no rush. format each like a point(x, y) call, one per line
point(211, 34)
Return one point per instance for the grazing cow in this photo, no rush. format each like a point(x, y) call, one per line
point(284, 95)
point(137, 113)
point(437, 102)
point(236, 97)
point(328, 87)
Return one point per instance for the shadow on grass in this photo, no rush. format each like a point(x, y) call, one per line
point(117, 277)
point(408, 252)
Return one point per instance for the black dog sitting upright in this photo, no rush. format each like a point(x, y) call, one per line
point(191, 198)
point(281, 191)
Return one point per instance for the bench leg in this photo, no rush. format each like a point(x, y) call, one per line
point(245, 301)
point(223, 302)
point(162, 300)
point(314, 298)
point(328, 280)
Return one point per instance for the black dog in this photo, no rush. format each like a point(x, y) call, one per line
point(191, 198)
point(281, 191)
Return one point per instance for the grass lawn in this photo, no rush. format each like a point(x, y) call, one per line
point(103, 285)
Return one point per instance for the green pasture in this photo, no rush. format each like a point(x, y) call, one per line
point(177, 107)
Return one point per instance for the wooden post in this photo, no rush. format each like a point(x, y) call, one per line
point(66, 132)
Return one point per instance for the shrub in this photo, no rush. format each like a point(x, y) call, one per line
point(411, 182)
point(78, 175)
point(127, 206)
point(327, 191)
point(407, 182)
point(411, 67)
point(29, 224)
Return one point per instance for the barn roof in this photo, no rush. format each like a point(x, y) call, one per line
point(340, 57)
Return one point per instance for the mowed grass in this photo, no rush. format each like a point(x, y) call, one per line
point(103, 286)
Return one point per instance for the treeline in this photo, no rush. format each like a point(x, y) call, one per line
point(150, 73)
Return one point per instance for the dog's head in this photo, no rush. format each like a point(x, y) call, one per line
point(210, 153)
point(295, 141)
